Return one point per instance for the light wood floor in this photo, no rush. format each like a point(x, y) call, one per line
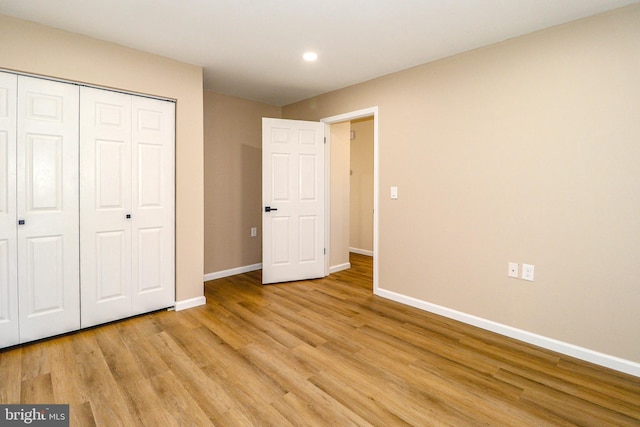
point(320, 352)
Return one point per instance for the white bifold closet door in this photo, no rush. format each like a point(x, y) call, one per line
point(47, 208)
point(127, 205)
point(9, 332)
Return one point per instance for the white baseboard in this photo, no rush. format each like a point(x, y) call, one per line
point(340, 267)
point(190, 303)
point(361, 251)
point(612, 362)
point(231, 272)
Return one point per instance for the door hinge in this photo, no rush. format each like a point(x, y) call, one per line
point(325, 251)
point(325, 139)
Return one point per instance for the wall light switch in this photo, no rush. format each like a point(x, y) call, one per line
point(254, 231)
point(394, 193)
point(527, 272)
point(513, 270)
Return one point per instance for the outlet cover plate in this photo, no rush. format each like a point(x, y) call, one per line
point(513, 270)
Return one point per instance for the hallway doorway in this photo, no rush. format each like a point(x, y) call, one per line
point(343, 244)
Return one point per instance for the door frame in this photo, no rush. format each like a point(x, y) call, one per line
point(353, 115)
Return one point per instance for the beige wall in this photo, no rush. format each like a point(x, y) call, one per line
point(361, 184)
point(33, 48)
point(233, 177)
point(339, 195)
point(525, 151)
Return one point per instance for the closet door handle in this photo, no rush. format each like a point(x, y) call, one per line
point(21, 222)
point(269, 209)
point(128, 216)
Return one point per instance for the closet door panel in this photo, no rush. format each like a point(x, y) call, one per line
point(8, 294)
point(47, 208)
point(9, 333)
point(44, 275)
point(149, 244)
point(105, 194)
point(153, 140)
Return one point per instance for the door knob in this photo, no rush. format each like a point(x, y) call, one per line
point(269, 209)
point(128, 216)
point(21, 222)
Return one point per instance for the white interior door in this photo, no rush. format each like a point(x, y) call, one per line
point(47, 208)
point(153, 204)
point(9, 333)
point(293, 195)
point(105, 197)
point(127, 205)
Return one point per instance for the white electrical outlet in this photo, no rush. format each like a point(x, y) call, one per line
point(513, 270)
point(527, 272)
point(254, 231)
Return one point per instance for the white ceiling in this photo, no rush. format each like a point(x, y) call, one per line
point(253, 48)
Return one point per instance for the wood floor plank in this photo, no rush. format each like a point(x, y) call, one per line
point(603, 396)
point(81, 415)
point(362, 403)
point(231, 368)
point(566, 405)
point(197, 344)
point(136, 335)
point(66, 388)
point(294, 377)
point(461, 389)
point(35, 360)
point(409, 405)
point(94, 379)
point(37, 389)
point(133, 385)
point(271, 312)
point(443, 348)
point(254, 315)
point(324, 412)
point(11, 375)
point(286, 368)
point(613, 381)
point(176, 400)
point(208, 395)
point(253, 397)
point(229, 328)
point(310, 353)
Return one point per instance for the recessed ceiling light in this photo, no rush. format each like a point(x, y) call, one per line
point(310, 56)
